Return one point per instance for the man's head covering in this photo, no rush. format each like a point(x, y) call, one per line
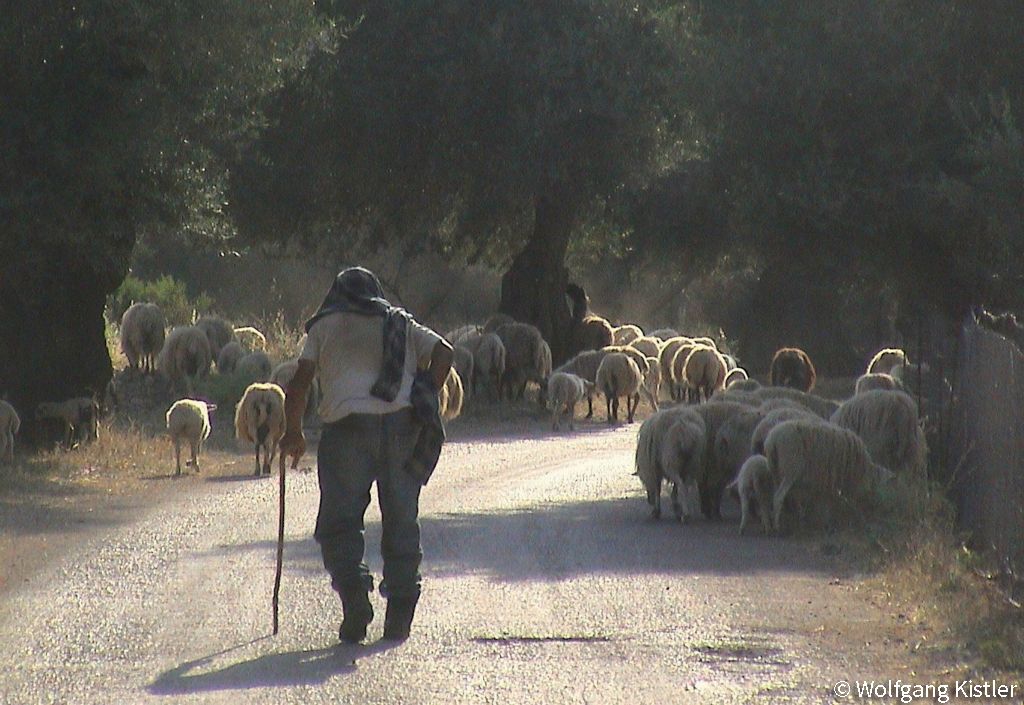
point(357, 290)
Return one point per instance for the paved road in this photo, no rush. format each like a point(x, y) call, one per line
point(545, 582)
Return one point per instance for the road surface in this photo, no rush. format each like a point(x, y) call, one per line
point(544, 582)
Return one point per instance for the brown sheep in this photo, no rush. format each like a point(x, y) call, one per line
point(587, 331)
point(792, 367)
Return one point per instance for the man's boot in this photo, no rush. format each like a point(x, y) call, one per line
point(398, 618)
point(358, 614)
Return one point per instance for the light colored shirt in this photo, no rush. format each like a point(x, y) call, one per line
point(348, 351)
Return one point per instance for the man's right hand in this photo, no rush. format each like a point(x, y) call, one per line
point(293, 445)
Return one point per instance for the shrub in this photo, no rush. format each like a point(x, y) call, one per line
point(166, 292)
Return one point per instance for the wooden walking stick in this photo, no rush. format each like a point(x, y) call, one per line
point(280, 539)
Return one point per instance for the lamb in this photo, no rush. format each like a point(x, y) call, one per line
point(735, 376)
point(885, 359)
point(80, 415)
point(731, 448)
point(587, 331)
point(618, 376)
point(229, 356)
point(626, 334)
point(185, 357)
point(664, 333)
point(463, 364)
point(704, 372)
point(585, 365)
point(189, 420)
point(260, 420)
point(142, 335)
point(876, 380)
point(462, 333)
point(10, 423)
point(218, 333)
point(255, 367)
point(822, 464)
point(822, 407)
point(527, 358)
point(650, 347)
point(450, 396)
point(772, 418)
point(257, 337)
point(755, 488)
point(565, 390)
point(670, 446)
point(887, 422)
point(489, 358)
point(792, 367)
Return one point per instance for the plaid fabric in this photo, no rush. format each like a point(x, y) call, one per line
point(357, 290)
point(427, 410)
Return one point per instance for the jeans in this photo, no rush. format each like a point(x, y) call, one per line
point(354, 452)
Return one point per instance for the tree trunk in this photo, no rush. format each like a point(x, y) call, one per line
point(52, 341)
point(533, 288)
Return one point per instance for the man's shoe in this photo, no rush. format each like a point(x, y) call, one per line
point(398, 618)
point(358, 615)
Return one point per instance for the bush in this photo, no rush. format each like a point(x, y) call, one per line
point(166, 292)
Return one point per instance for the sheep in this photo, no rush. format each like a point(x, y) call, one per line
point(451, 395)
point(822, 463)
point(587, 331)
point(565, 390)
point(254, 334)
point(651, 347)
point(462, 333)
point(704, 372)
point(736, 375)
point(619, 376)
point(681, 389)
point(635, 355)
point(731, 364)
point(715, 415)
point(142, 335)
point(185, 357)
point(189, 420)
point(745, 385)
point(496, 321)
point(260, 420)
point(527, 358)
point(229, 356)
point(218, 333)
point(670, 446)
point(772, 418)
point(731, 448)
point(626, 334)
point(791, 367)
point(463, 364)
point(666, 356)
point(887, 421)
point(81, 416)
point(10, 423)
point(585, 365)
point(488, 360)
point(664, 333)
point(652, 382)
point(255, 367)
point(736, 395)
point(755, 488)
point(822, 407)
point(709, 342)
point(885, 359)
point(876, 380)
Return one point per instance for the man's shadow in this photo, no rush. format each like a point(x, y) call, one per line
point(284, 669)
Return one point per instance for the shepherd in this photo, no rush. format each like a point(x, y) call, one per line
point(379, 373)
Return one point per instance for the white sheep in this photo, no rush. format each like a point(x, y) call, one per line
point(218, 333)
point(585, 365)
point(142, 335)
point(229, 356)
point(822, 465)
point(704, 372)
point(652, 382)
point(527, 358)
point(626, 334)
point(670, 446)
point(565, 390)
point(10, 423)
point(887, 421)
point(260, 420)
point(755, 488)
point(677, 370)
point(775, 415)
point(451, 395)
point(255, 367)
point(649, 346)
point(885, 359)
point(257, 339)
point(819, 405)
point(80, 415)
point(664, 333)
point(618, 376)
point(876, 380)
point(463, 364)
point(488, 361)
point(189, 420)
point(735, 376)
point(666, 356)
point(185, 357)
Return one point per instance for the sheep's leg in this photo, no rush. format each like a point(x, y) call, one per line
point(258, 469)
point(273, 452)
point(608, 408)
point(654, 499)
point(590, 406)
point(636, 403)
point(744, 511)
point(572, 416)
point(177, 455)
point(778, 500)
point(677, 506)
point(195, 456)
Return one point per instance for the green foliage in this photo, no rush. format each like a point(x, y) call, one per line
point(166, 292)
point(223, 390)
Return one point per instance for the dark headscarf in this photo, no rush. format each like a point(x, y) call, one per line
point(357, 290)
